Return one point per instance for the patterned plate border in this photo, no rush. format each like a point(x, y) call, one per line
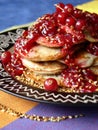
point(10, 85)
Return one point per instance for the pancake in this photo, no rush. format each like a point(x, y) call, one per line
point(84, 59)
point(94, 69)
point(44, 67)
point(42, 53)
point(95, 61)
point(39, 79)
point(49, 41)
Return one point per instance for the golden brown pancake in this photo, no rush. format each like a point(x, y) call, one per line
point(84, 59)
point(94, 69)
point(54, 67)
point(95, 61)
point(42, 53)
point(40, 78)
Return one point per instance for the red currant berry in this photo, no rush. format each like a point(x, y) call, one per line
point(93, 48)
point(70, 21)
point(61, 18)
point(6, 57)
point(59, 7)
point(77, 13)
point(50, 84)
point(68, 9)
point(80, 24)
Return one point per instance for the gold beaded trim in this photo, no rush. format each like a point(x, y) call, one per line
point(34, 117)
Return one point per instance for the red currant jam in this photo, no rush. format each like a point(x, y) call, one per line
point(93, 48)
point(12, 63)
point(81, 80)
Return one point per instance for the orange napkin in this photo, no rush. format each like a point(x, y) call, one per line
point(18, 104)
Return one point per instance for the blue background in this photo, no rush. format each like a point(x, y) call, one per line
point(16, 12)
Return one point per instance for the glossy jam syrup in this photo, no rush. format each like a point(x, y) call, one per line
point(80, 79)
point(93, 48)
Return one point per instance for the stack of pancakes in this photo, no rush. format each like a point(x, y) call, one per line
point(43, 62)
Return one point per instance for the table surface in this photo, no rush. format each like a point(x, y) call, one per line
point(17, 12)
